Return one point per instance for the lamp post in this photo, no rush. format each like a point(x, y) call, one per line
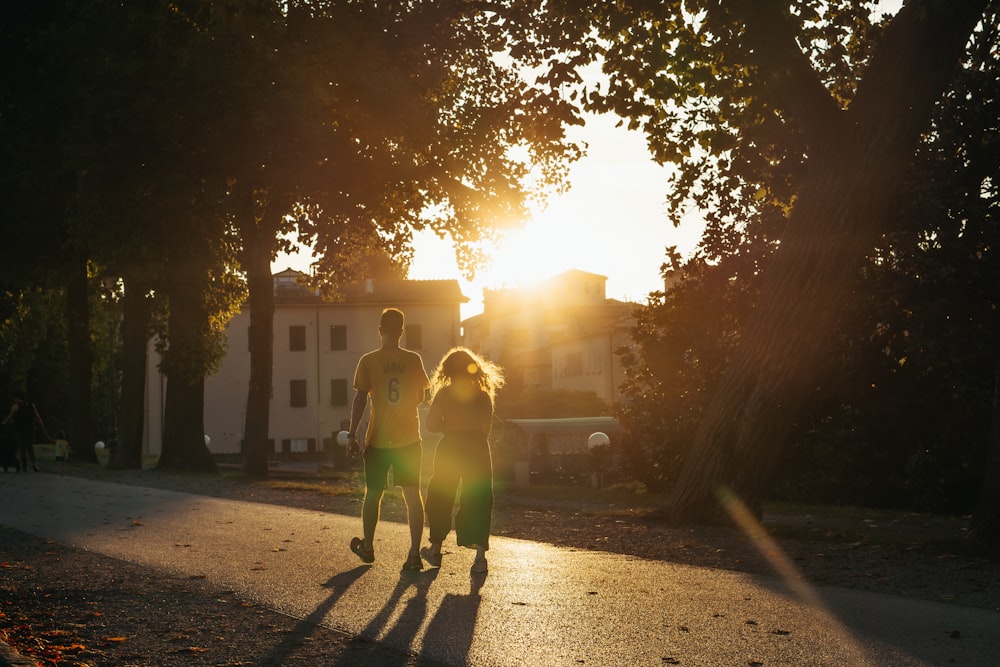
point(599, 445)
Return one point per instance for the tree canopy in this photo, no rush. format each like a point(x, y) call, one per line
point(181, 143)
point(785, 123)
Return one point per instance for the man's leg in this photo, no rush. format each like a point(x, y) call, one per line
point(415, 516)
point(375, 474)
point(369, 515)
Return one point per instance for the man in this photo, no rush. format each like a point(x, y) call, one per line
point(394, 380)
point(25, 418)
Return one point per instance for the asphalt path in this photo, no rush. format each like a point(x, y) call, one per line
point(538, 605)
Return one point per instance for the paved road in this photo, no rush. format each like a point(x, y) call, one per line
point(539, 605)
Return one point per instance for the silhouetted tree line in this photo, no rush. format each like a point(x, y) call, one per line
point(155, 156)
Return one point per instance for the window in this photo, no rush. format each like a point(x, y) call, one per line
point(296, 445)
point(338, 337)
point(338, 392)
point(297, 391)
point(297, 338)
point(414, 337)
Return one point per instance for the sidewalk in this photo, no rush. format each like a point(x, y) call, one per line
point(538, 605)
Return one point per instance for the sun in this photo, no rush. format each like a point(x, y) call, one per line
point(530, 255)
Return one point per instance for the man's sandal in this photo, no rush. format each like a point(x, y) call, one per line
point(431, 556)
point(413, 563)
point(358, 547)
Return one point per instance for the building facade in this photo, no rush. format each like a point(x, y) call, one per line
point(561, 334)
point(317, 345)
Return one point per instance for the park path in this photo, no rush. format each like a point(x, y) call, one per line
point(539, 604)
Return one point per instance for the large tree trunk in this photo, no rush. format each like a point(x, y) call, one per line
point(81, 361)
point(257, 424)
point(184, 445)
point(853, 173)
point(135, 336)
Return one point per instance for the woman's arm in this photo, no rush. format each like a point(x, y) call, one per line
point(435, 415)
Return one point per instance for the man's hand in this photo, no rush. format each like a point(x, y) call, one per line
point(353, 448)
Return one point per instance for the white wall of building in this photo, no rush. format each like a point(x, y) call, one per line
point(306, 426)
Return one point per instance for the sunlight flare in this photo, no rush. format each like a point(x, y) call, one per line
point(802, 589)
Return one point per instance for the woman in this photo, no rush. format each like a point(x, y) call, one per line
point(463, 388)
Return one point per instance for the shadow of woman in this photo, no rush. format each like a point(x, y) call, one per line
point(449, 634)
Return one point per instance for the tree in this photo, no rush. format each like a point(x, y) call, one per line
point(901, 421)
point(199, 128)
point(832, 143)
point(426, 129)
point(682, 341)
point(854, 171)
point(44, 159)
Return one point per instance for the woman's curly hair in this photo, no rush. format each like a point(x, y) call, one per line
point(461, 361)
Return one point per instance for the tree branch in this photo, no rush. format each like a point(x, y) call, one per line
point(771, 46)
point(918, 54)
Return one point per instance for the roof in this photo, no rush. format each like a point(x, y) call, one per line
point(410, 291)
point(604, 424)
point(288, 290)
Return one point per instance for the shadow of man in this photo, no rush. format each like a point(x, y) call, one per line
point(407, 622)
point(295, 639)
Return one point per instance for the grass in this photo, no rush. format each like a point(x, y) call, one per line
point(330, 486)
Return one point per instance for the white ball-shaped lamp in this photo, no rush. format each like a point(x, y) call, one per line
point(342, 438)
point(598, 439)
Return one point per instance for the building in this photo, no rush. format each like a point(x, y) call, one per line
point(317, 345)
point(561, 334)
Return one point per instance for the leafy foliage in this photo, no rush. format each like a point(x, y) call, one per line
point(903, 418)
point(683, 340)
point(906, 421)
point(180, 145)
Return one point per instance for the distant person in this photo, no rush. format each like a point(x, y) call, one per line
point(463, 387)
point(24, 417)
point(394, 380)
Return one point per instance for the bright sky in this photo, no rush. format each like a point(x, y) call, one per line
point(611, 222)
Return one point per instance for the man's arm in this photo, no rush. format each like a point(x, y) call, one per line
point(357, 412)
